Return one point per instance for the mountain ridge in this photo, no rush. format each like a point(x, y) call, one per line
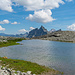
point(37, 32)
point(16, 35)
point(63, 36)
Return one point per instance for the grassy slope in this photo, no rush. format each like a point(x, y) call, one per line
point(10, 42)
point(25, 66)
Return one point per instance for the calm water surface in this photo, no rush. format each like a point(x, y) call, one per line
point(57, 55)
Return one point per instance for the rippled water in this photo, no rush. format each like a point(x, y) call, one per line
point(57, 55)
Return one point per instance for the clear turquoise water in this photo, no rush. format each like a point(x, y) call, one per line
point(57, 55)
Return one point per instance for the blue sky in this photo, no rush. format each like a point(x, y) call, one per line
point(20, 16)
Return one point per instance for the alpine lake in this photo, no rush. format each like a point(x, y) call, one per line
point(57, 55)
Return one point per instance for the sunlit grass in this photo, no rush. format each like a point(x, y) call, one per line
point(25, 66)
point(10, 42)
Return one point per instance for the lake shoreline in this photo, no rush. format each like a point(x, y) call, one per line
point(52, 40)
point(10, 42)
point(62, 36)
point(57, 40)
point(25, 66)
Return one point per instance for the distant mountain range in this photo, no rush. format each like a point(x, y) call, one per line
point(41, 31)
point(33, 33)
point(17, 35)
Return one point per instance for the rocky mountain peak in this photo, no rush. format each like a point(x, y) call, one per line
point(43, 29)
point(37, 32)
point(52, 30)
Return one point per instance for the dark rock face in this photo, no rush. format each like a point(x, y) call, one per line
point(37, 32)
point(33, 33)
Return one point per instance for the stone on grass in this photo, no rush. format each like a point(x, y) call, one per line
point(28, 72)
point(34, 74)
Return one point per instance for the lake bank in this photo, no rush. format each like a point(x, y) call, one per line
point(57, 40)
point(24, 66)
point(10, 41)
point(62, 36)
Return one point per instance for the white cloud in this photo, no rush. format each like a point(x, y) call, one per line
point(2, 29)
point(23, 30)
point(40, 7)
point(42, 16)
point(6, 5)
point(31, 28)
point(31, 5)
point(71, 27)
point(69, 0)
point(15, 23)
point(4, 22)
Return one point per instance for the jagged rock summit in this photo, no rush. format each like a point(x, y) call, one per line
point(37, 32)
point(52, 30)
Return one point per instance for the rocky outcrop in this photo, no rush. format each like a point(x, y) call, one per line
point(37, 32)
point(8, 71)
point(64, 36)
